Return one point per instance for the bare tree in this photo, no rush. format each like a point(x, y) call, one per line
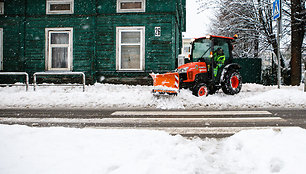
point(252, 20)
point(298, 14)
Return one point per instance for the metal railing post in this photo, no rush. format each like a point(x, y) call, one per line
point(83, 75)
point(34, 81)
point(27, 81)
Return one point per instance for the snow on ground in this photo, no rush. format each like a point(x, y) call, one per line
point(124, 96)
point(69, 150)
point(94, 151)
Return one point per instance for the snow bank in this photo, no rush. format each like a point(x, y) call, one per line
point(69, 150)
point(124, 96)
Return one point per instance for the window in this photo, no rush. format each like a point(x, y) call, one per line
point(60, 7)
point(59, 51)
point(1, 48)
point(201, 49)
point(131, 6)
point(130, 48)
point(1, 7)
point(186, 50)
point(220, 43)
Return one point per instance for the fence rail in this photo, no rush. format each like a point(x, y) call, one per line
point(17, 74)
point(35, 75)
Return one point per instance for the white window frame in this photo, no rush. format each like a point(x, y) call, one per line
point(119, 30)
point(1, 8)
point(49, 46)
point(1, 48)
point(50, 2)
point(119, 10)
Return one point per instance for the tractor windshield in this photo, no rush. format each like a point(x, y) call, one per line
point(201, 49)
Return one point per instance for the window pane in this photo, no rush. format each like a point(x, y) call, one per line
point(59, 38)
point(130, 37)
point(59, 7)
point(223, 45)
point(59, 57)
point(130, 57)
point(201, 49)
point(130, 5)
point(1, 7)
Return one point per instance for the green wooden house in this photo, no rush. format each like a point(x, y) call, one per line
point(105, 39)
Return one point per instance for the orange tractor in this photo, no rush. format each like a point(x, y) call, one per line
point(210, 69)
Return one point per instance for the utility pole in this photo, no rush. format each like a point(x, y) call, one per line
point(279, 23)
point(277, 15)
point(305, 80)
point(305, 77)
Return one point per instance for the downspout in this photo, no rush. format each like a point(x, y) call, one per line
point(24, 36)
point(95, 62)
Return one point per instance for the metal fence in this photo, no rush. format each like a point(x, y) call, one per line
point(35, 75)
point(250, 69)
point(17, 74)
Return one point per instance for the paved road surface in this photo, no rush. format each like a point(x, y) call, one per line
point(187, 123)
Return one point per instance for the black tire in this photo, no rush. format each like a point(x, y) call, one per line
point(232, 82)
point(200, 90)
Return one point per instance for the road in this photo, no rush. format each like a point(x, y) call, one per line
point(190, 123)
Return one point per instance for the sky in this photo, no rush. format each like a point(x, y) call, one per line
point(198, 23)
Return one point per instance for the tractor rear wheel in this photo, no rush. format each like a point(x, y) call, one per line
point(200, 90)
point(232, 82)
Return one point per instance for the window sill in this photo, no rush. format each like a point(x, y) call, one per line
point(124, 71)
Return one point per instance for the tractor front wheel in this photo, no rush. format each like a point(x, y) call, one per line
point(232, 82)
point(200, 90)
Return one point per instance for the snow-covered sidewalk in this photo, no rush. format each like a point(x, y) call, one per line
point(29, 150)
point(124, 96)
point(69, 150)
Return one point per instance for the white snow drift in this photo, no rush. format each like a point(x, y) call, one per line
point(94, 151)
point(124, 96)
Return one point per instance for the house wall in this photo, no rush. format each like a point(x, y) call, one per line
point(13, 34)
point(83, 41)
point(94, 25)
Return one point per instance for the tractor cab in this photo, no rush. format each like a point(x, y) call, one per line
point(205, 49)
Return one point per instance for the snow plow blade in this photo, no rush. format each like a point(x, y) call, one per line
point(165, 83)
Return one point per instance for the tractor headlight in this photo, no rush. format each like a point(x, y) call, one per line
point(183, 70)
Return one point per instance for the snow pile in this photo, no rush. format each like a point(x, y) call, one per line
point(124, 96)
point(265, 151)
point(69, 150)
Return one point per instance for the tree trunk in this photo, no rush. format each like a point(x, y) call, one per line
point(297, 36)
point(256, 47)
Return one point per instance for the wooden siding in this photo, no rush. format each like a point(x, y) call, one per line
point(81, 7)
point(152, 6)
point(159, 54)
point(94, 25)
point(13, 48)
point(83, 41)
